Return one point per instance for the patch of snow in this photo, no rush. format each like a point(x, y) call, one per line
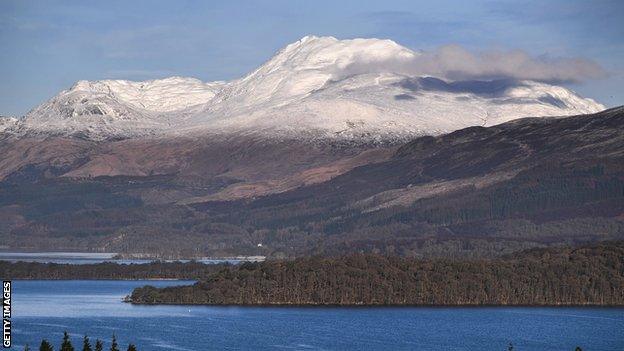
point(7, 123)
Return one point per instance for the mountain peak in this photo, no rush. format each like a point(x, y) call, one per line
point(322, 86)
point(158, 95)
point(310, 63)
point(312, 52)
point(311, 37)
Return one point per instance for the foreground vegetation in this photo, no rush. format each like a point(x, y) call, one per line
point(590, 275)
point(66, 345)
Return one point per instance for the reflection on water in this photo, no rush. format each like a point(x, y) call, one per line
point(46, 308)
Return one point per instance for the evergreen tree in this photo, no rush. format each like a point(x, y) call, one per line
point(578, 348)
point(114, 346)
point(98, 345)
point(26, 348)
point(45, 346)
point(131, 347)
point(66, 345)
point(510, 347)
point(86, 345)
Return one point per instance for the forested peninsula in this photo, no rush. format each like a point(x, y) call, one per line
point(589, 275)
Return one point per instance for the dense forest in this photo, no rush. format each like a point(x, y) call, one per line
point(589, 275)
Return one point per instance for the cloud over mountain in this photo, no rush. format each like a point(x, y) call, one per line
point(457, 63)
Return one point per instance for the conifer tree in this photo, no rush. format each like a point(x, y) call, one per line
point(45, 346)
point(114, 346)
point(66, 345)
point(86, 345)
point(26, 348)
point(98, 345)
point(131, 347)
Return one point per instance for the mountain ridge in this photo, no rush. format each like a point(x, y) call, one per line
point(320, 86)
point(478, 192)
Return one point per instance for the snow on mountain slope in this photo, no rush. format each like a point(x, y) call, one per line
point(7, 123)
point(119, 107)
point(389, 106)
point(316, 86)
point(303, 67)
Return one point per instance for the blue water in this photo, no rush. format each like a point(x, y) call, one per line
point(47, 308)
point(94, 257)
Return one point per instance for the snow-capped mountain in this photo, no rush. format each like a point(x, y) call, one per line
point(317, 86)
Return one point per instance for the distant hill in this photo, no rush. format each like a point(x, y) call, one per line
point(479, 191)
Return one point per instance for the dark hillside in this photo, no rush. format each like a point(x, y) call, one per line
point(476, 192)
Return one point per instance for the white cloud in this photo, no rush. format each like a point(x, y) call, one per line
point(456, 63)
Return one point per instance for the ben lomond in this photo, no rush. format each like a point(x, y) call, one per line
point(330, 147)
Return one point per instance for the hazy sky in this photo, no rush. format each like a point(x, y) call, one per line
point(45, 46)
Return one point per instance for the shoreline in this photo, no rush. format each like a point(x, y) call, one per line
point(589, 305)
point(16, 255)
point(585, 276)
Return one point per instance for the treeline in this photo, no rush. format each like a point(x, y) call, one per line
point(592, 275)
point(66, 345)
point(108, 270)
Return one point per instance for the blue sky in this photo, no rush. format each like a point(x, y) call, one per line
point(48, 45)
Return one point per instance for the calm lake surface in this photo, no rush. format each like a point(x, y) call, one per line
point(92, 258)
point(47, 308)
